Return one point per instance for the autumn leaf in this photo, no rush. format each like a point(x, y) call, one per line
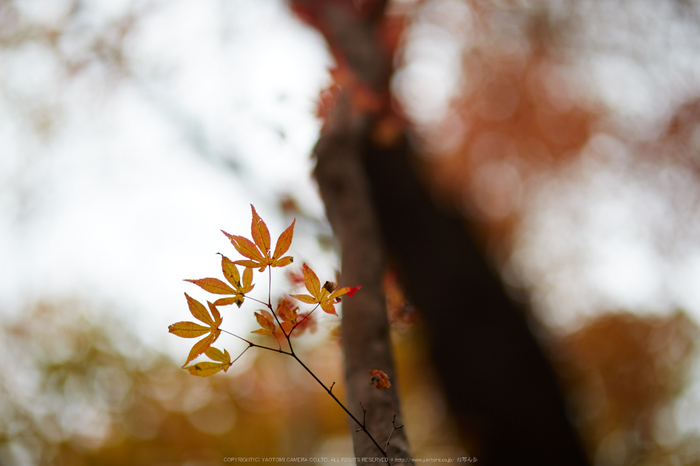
point(257, 251)
point(205, 369)
point(193, 330)
point(266, 321)
point(379, 379)
point(327, 295)
point(288, 314)
point(213, 285)
point(237, 289)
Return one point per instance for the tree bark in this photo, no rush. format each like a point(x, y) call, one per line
point(365, 328)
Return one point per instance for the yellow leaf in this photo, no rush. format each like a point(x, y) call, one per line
point(202, 345)
point(217, 355)
point(282, 262)
point(284, 242)
point(305, 298)
point(188, 329)
point(230, 271)
point(328, 307)
point(213, 285)
point(215, 313)
point(286, 312)
point(266, 321)
point(199, 311)
point(311, 282)
point(261, 235)
point(323, 295)
point(237, 300)
point(248, 249)
point(205, 369)
point(248, 263)
point(257, 251)
point(247, 280)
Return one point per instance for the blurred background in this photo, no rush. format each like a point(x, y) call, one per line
point(132, 132)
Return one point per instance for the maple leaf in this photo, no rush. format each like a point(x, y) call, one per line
point(205, 369)
point(266, 321)
point(193, 330)
point(327, 295)
point(237, 289)
point(379, 379)
point(288, 314)
point(258, 250)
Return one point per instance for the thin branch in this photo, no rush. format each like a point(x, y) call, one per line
point(251, 344)
point(362, 424)
point(302, 320)
point(256, 300)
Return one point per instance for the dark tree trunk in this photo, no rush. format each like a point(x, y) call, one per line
point(500, 387)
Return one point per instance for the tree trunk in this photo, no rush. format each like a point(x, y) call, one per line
point(365, 328)
point(500, 387)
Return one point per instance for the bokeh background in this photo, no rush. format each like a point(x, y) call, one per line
point(132, 132)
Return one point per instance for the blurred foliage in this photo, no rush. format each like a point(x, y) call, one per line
point(623, 372)
point(511, 100)
point(80, 391)
point(528, 89)
point(77, 390)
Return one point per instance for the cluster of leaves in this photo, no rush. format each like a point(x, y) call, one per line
point(284, 319)
point(278, 322)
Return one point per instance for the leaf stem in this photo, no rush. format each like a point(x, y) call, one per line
point(269, 287)
point(255, 345)
point(302, 320)
point(257, 300)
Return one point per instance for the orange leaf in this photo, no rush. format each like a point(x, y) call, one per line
point(284, 241)
point(192, 330)
point(349, 290)
point(282, 261)
point(202, 345)
point(237, 300)
point(247, 280)
point(199, 311)
point(230, 271)
point(257, 251)
point(261, 235)
point(305, 298)
point(251, 264)
point(286, 312)
point(323, 295)
point(311, 282)
point(328, 307)
point(188, 329)
point(247, 248)
point(213, 285)
point(266, 321)
point(379, 379)
point(215, 313)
